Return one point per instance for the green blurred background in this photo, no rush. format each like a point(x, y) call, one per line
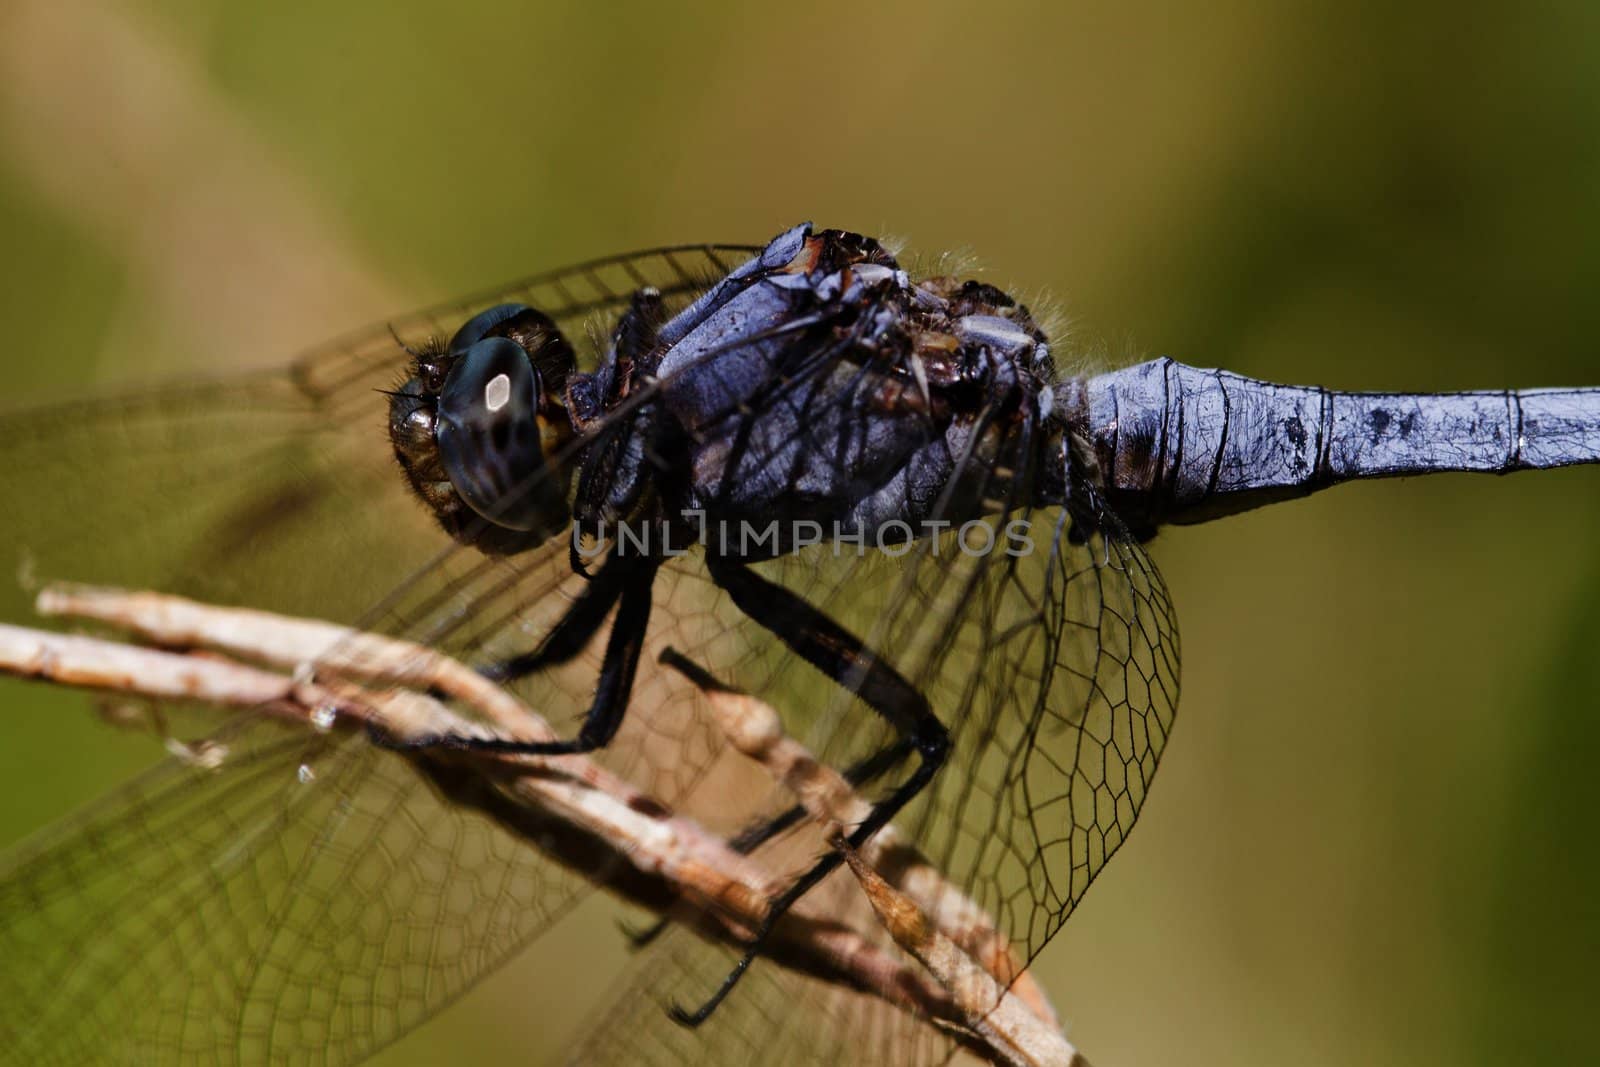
point(1373, 837)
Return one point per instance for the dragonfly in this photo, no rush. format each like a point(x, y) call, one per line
point(868, 496)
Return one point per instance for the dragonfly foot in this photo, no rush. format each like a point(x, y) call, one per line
point(641, 936)
point(692, 1019)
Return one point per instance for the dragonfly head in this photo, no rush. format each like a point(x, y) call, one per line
point(481, 426)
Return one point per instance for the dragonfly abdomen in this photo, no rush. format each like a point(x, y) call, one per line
point(1181, 444)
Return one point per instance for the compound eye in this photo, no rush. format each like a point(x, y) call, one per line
point(474, 329)
point(488, 436)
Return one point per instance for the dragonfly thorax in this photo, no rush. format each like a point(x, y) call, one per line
point(819, 387)
point(834, 391)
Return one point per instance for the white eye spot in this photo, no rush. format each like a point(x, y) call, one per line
point(497, 392)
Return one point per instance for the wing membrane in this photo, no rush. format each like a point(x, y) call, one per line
point(1056, 671)
point(782, 1017)
point(208, 915)
point(275, 483)
point(188, 916)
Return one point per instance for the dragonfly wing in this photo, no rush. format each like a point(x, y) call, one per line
point(1056, 673)
point(279, 488)
point(1051, 656)
point(1061, 684)
point(258, 910)
point(304, 902)
point(1055, 669)
point(779, 1016)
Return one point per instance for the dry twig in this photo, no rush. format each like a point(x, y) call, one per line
point(967, 981)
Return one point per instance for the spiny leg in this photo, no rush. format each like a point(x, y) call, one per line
point(840, 655)
point(573, 631)
point(612, 690)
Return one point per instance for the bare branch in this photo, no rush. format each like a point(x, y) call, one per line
point(1005, 1021)
point(569, 807)
point(756, 730)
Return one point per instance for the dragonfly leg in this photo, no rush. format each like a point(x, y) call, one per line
point(759, 832)
point(573, 631)
point(612, 691)
point(839, 654)
point(857, 774)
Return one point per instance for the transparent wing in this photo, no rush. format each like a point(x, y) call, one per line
point(1052, 659)
point(1056, 673)
point(1061, 682)
point(277, 488)
point(779, 1017)
point(192, 915)
point(1050, 655)
point(1055, 670)
point(248, 915)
